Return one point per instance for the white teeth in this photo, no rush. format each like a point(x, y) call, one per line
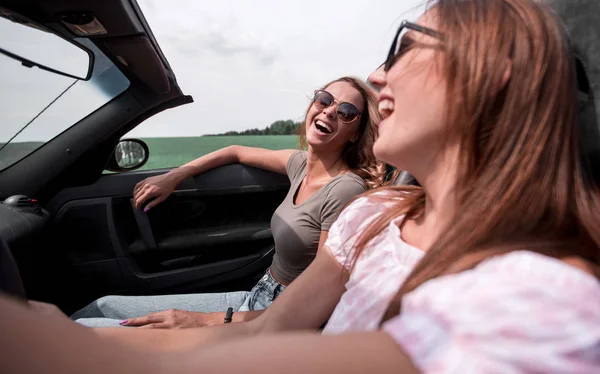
point(323, 124)
point(386, 107)
point(386, 104)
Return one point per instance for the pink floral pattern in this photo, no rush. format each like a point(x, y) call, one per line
point(377, 276)
point(517, 313)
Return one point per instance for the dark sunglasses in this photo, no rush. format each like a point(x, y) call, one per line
point(346, 112)
point(402, 44)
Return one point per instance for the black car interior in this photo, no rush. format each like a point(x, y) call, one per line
point(71, 229)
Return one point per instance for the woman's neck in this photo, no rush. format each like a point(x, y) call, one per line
point(438, 180)
point(323, 165)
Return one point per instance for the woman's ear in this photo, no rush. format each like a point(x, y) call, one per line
point(504, 79)
point(506, 74)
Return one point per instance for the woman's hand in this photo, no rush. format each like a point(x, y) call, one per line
point(174, 319)
point(156, 188)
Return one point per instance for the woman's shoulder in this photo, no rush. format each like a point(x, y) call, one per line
point(365, 208)
point(296, 164)
point(529, 306)
point(522, 279)
point(342, 189)
point(355, 218)
point(522, 272)
point(539, 270)
point(335, 195)
point(347, 183)
point(301, 154)
point(372, 202)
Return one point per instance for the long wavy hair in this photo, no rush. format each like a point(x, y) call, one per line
point(521, 182)
point(358, 155)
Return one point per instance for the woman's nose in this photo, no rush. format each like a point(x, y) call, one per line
point(330, 111)
point(377, 78)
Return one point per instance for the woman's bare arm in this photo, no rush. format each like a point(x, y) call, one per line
point(61, 346)
point(275, 161)
point(40, 343)
point(156, 189)
point(370, 352)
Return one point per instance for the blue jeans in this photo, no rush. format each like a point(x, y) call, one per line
point(108, 311)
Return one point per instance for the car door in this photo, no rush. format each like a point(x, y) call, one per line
point(212, 233)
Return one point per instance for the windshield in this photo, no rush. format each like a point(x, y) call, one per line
point(37, 105)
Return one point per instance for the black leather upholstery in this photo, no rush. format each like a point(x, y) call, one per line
point(581, 19)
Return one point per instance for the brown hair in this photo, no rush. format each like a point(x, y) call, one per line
point(358, 156)
point(521, 180)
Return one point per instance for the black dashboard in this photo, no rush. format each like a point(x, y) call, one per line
point(21, 219)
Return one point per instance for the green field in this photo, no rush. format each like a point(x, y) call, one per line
point(170, 152)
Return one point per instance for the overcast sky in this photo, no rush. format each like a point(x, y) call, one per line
point(250, 63)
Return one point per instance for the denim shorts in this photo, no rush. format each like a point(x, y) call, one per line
point(263, 294)
point(109, 310)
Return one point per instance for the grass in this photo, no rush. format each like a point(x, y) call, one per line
point(171, 152)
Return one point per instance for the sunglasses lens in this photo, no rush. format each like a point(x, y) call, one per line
point(399, 47)
point(323, 100)
point(347, 112)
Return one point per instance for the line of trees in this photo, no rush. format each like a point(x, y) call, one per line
point(287, 127)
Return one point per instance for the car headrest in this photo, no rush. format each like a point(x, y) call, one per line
point(581, 20)
point(405, 179)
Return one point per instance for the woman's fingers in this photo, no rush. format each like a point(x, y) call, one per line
point(139, 186)
point(155, 202)
point(138, 200)
point(142, 321)
point(155, 326)
point(150, 321)
point(146, 190)
point(137, 189)
point(145, 195)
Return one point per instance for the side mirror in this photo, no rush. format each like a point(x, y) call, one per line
point(32, 45)
point(129, 154)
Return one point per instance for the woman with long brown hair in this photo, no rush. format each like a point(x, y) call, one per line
point(491, 266)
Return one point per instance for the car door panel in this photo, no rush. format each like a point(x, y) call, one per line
point(213, 231)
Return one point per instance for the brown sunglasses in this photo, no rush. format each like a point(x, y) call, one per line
point(401, 44)
point(346, 112)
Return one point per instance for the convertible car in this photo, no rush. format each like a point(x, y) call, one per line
point(79, 75)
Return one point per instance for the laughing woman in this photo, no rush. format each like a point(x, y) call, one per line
point(340, 129)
